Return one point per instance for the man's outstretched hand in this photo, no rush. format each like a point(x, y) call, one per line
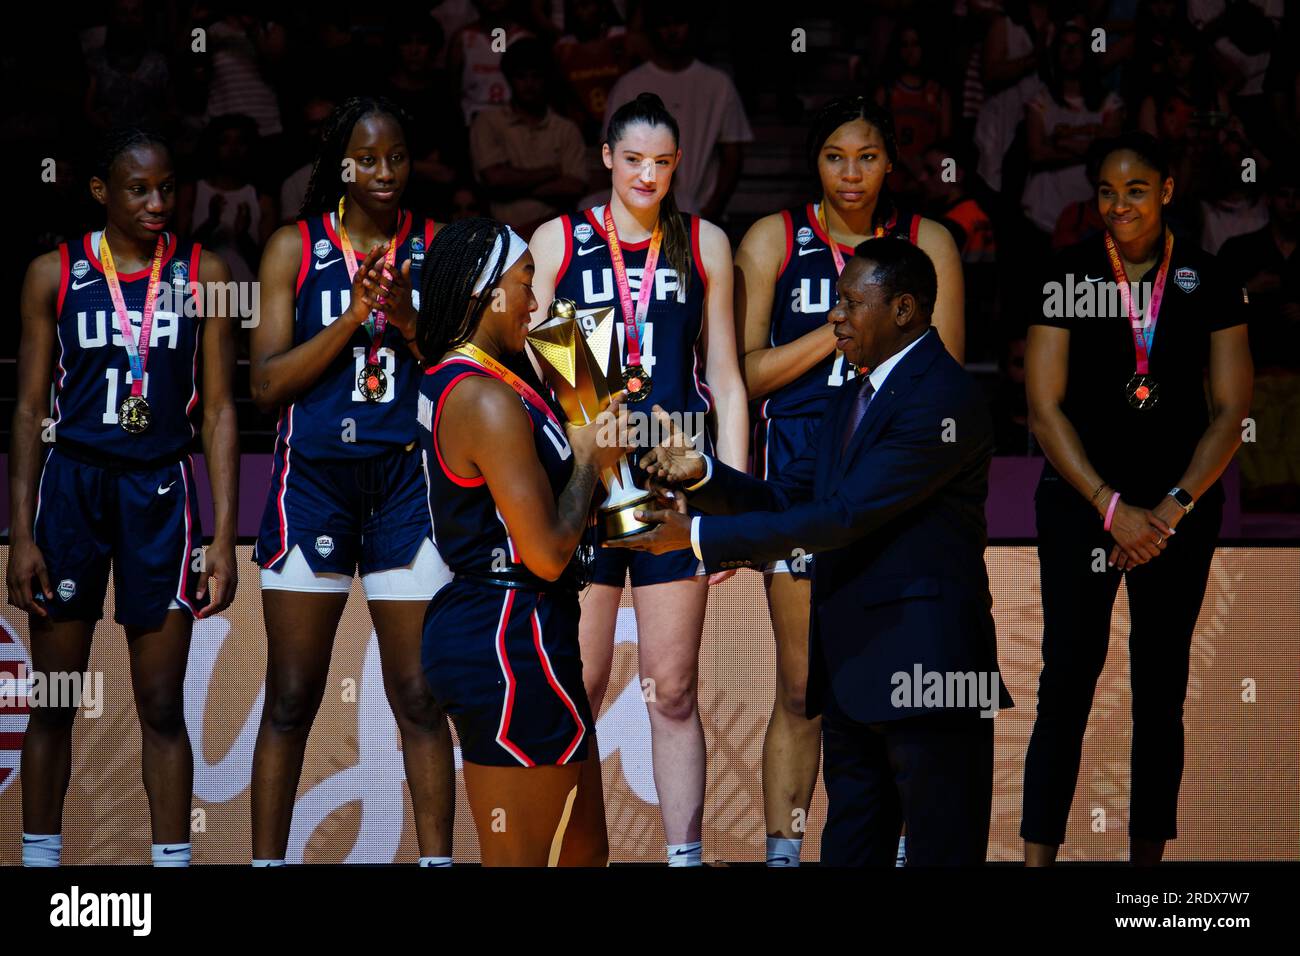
point(674, 461)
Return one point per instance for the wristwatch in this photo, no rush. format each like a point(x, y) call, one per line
point(1182, 498)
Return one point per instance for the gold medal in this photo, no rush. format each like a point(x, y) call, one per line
point(134, 414)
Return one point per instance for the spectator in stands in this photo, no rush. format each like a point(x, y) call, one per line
point(1081, 219)
point(240, 43)
point(127, 78)
point(531, 161)
point(315, 112)
point(704, 101)
point(439, 146)
point(591, 55)
point(1232, 204)
point(474, 55)
point(1266, 265)
point(1183, 98)
point(1062, 121)
point(224, 210)
point(942, 175)
point(920, 106)
point(1015, 48)
point(464, 203)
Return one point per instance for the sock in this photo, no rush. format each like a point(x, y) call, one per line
point(42, 849)
point(171, 854)
point(685, 854)
point(901, 859)
point(783, 851)
point(268, 862)
point(435, 861)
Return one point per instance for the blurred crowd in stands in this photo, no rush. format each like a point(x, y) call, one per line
point(1008, 95)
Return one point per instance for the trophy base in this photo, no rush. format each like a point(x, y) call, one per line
point(619, 522)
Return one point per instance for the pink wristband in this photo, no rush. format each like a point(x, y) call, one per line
point(1110, 511)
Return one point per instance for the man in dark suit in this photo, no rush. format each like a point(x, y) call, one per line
point(889, 498)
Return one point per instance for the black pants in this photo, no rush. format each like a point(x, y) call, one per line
point(934, 772)
point(1164, 598)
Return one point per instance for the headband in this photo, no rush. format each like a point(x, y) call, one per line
point(513, 249)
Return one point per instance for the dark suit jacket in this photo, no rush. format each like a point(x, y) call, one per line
point(897, 527)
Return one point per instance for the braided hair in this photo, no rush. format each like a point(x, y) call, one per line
point(326, 186)
point(123, 139)
point(449, 311)
point(845, 110)
point(649, 108)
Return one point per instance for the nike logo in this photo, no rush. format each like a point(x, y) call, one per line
point(1088, 278)
point(30, 840)
point(804, 252)
point(82, 285)
point(173, 849)
point(163, 491)
point(328, 262)
point(583, 250)
point(778, 859)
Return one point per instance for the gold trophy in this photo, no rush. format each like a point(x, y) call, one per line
point(585, 371)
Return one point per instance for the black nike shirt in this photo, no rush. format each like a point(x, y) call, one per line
point(1141, 453)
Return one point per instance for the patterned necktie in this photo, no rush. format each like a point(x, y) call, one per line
point(860, 402)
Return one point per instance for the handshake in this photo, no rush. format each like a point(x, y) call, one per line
point(670, 465)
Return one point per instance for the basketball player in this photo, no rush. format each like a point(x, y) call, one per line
point(333, 353)
point(116, 322)
point(510, 494)
point(671, 330)
point(789, 263)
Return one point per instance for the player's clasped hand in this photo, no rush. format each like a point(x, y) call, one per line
point(1139, 535)
point(366, 288)
point(674, 460)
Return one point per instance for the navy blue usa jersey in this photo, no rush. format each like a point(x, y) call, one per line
point(332, 419)
point(805, 292)
point(671, 352)
point(467, 527)
point(92, 374)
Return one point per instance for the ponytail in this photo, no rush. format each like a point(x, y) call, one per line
point(648, 108)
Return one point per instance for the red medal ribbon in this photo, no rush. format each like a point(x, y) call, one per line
point(350, 257)
point(137, 351)
point(633, 321)
point(1136, 323)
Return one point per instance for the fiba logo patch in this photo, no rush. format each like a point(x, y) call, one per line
point(324, 546)
point(803, 236)
point(1186, 279)
point(80, 268)
point(322, 248)
point(180, 273)
point(67, 588)
point(582, 232)
point(417, 249)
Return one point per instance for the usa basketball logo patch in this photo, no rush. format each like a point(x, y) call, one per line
point(80, 268)
point(322, 248)
point(67, 588)
point(1186, 279)
point(803, 236)
point(324, 546)
point(582, 232)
